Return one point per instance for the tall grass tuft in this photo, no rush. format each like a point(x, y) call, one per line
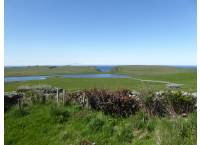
point(58, 113)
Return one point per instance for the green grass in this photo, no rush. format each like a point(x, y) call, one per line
point(186, 76)
point(49, 70)
point(38, 126)
point(47, 125)
point(85, 83)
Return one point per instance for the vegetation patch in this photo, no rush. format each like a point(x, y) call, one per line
point(58, 113)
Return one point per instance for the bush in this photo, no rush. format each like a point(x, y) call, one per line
point(167, 103)
point(181, 103)
point(114, 103)
point(155, 106)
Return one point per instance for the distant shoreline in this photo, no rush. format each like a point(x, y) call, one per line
point(181, 66)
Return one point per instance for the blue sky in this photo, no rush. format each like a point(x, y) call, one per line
point(82, 32)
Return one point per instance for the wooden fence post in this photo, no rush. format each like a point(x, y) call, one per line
point(19, 104)
point(63, 96)
point(57, 95)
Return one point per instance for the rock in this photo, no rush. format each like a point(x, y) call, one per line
point(159, 93)
point(184, 115)
point(194, 94)
point(174, 86)
point(135, 93)
point(11, 98)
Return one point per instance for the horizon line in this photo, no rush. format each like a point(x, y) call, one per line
point(101, 65)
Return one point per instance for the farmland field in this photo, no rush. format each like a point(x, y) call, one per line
point(48, 70)
point(185, 76)
point(38, 125)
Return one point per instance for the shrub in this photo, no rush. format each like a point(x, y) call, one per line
point(167, 103)
point(114, 103)
point(181, 103)
point(152, 104)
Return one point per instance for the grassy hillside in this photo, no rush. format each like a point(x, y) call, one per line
point(48, 70)
point(40, 125)
point(186, 76)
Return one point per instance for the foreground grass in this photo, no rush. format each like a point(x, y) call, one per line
point(40, 126)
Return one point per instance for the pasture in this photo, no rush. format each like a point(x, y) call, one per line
point(185, 76)
point(51, 124)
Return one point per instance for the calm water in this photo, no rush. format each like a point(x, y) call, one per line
point(29, 78)
point(95, 76)
point(25, 78)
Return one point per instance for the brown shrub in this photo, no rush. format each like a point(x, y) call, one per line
point(114, 103)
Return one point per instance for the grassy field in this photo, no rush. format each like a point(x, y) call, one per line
point(185, 76)
point(39, 126)
point(85, 83)
point(48, 70)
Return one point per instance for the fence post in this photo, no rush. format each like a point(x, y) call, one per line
point(85, 100)
point(57, 95)
point(63, 96)
point(19, 104)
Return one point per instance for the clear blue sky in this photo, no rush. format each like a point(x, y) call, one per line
point(62, 32)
